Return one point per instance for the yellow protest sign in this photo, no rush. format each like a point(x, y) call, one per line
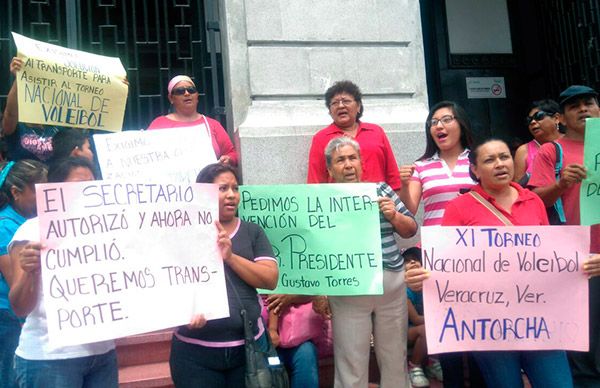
point(66, 87)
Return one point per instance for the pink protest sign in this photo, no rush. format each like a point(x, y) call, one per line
point(505, 288)
point(125, 258)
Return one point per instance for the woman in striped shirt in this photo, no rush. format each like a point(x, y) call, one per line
point(443, 170)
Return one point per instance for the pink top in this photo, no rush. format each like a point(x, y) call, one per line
point(220, 140)
point(532, 150)
point(440, 185)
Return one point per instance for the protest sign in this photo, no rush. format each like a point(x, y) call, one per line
point(126, 258)
point(326, 237)
point(590, 187)
point(163, 155)
point(505, 288)
point(65, 87)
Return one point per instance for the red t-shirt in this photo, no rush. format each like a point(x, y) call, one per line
point(528, 209)
point(220, 140)
point(378, 161)
point(543, 175)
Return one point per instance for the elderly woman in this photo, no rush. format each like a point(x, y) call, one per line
point(543, 123)
point(344, 101)
point(183, 96)
point(211, 354)
point(37, 362)
point(17, 203)
point(492, 166)
point(355, 318)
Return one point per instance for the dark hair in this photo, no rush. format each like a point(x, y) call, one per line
point(549, 106)
point(65, 141)
point(209, 173)
point(60, 169)
point(347, 87)
point(475, 152)
point(466, 138)
point(22, 173)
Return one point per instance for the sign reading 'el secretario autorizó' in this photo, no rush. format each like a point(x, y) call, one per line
point(326, 237)
point(65, 87)
point(123, 258)
point(505, 288)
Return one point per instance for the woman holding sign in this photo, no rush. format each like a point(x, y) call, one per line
point(37, 362)
point(17, 203)
point(183, 96)
point(212, 354)
point(497, 201)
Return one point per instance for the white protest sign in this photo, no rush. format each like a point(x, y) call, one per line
point(162, 155)
point(62, 86)
point(127, 258)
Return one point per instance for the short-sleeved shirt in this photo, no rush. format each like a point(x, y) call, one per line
point(440, 185)
point(250, 242)
point(10, 221)
point(528, 209)
point(543, 175)
point(378, 161)
point(31, 142)
point(34, 343)
point(220, 140)
point(392, 259)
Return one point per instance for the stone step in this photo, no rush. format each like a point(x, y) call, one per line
point(146, 348)
point(154, 375)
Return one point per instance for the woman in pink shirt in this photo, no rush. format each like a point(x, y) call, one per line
point(443, 170)
point(183, 96)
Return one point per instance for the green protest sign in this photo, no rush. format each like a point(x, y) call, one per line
point(326, 237)
point(589, 196)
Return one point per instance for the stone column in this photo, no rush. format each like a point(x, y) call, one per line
point(281, 56)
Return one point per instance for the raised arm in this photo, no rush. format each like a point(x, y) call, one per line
point(11, 111)
point(411, 190)
point(24, 293)
point(258, 274)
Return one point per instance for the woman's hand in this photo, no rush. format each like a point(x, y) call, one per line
point(29, 258)
point(387, 207)
point(592, 266)
point(415, 275)
point(198, 321)
point(15, 65)
point(224, 242)
point(224, 159)
point(321, 306)
point(278, 302)
point(406, 172)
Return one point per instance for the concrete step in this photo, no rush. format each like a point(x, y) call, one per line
point(146, 348)
point(154, 375)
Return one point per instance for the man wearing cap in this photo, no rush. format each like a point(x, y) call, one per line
point(577, 103)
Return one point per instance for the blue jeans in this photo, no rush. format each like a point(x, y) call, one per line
point(544, 368)
point(302, 364)
point(99, 371)
point(201, 366)
point(10, 329)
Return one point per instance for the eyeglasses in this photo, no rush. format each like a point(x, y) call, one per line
point(445, 120)
point(537, 116)
point(181, 91)
point(343, 101)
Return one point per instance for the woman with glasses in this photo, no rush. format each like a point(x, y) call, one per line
point(183, 96)
point(544, 125)
point(344, 101)
point(438, 177)
point(443, 171)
